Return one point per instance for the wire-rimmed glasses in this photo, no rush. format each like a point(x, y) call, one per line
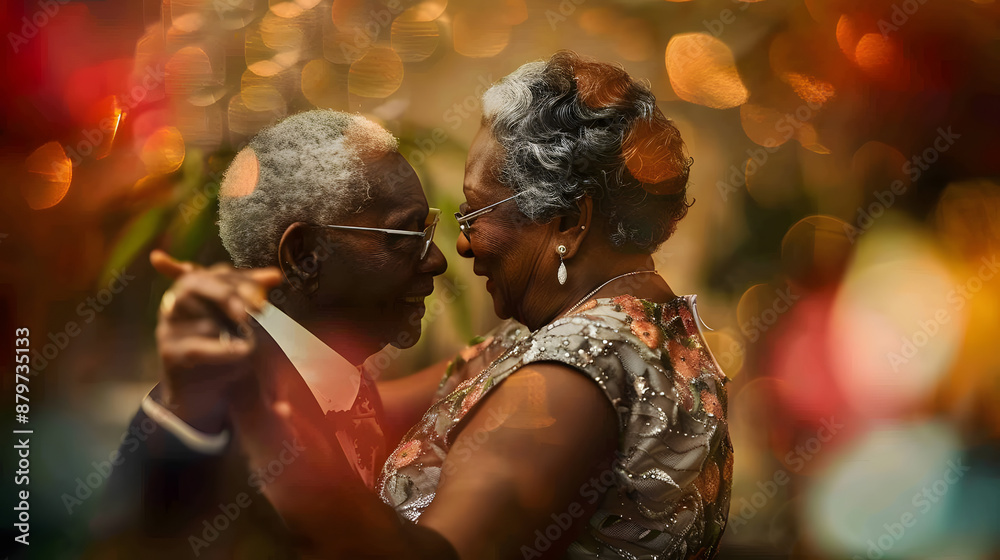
point(430, 226)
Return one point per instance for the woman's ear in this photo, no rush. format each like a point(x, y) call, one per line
point(573, 229)
point(297, 260)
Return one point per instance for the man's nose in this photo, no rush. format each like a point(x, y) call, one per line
point(434, 262)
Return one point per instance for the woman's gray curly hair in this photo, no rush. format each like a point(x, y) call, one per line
point(570, 127)
point(310, 167)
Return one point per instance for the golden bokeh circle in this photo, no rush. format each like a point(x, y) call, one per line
point(378, 74)
point(163, 152)
point(702, 70)
point(50, 173)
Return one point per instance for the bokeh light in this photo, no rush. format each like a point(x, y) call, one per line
point(900, 316)
point(377, 74)
point(702, 70)
point(49, 174)
point(164, 151)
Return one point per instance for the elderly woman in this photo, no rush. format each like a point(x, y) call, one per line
point(595, 430)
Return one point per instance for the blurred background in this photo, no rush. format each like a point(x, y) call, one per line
point(843, 242)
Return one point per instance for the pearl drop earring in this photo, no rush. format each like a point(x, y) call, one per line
point(561, 274)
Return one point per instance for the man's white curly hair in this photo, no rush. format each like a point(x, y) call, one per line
point(310, 167)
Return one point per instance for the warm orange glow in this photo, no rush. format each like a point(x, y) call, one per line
point(241, 177)
point(273, 45)
point(415, 40)
point(348, 14)
point(729, 351)
point(163, 152)
point(761, 124)
point(511, 12)
point(881, 59)
point(263, 98)
point(324, 84)
point(634, 39)
point(50, 173)
point(816, 249)
point(478, 36)
point(111, 117)
point(201, 127)
point(189, 70)
point(875, 53)
point(702, 70)
point(771, 128)
point(598, 21)
point(286, 9)
point(246, 121)
point(847, 36)
point(429, 10)
point(809, 88)
point(809, 138)
point(377, 74)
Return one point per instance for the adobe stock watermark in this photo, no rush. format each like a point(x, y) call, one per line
point(928, 328)
point(89, 483)
point(465, 448)
point(795, 461)
point(229, 512)
point(563, 11)
point(366, 35)
point(30, 27)
point(726, 17)
point(460, 111)
point(757, 157)
point(758, 325)
point(86, 310)
point(922, 502)
point(914, 168)
point(208, 192)
point(591, 491)
point(901, 13)
point(152, 79)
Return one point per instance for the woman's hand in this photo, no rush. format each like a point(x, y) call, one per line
point(203, 335)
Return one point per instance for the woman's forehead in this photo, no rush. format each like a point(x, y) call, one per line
point(482, 167)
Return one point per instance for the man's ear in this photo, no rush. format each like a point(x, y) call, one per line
point(573, 229)
point(297, 259)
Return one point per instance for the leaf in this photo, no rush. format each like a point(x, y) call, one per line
point(136, 236)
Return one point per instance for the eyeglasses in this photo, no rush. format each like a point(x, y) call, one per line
point(430, 226)
point(465, 220)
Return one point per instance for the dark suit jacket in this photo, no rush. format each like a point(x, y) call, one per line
point(164, 500)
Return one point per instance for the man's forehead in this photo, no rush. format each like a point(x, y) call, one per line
point(395, 184)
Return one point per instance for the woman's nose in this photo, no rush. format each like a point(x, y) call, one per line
point(463, 246)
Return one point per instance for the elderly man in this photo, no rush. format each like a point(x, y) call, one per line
point(326, 201)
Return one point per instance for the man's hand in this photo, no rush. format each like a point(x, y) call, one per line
point(204, 337)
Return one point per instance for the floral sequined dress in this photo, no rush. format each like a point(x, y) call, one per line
point(673, 468)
